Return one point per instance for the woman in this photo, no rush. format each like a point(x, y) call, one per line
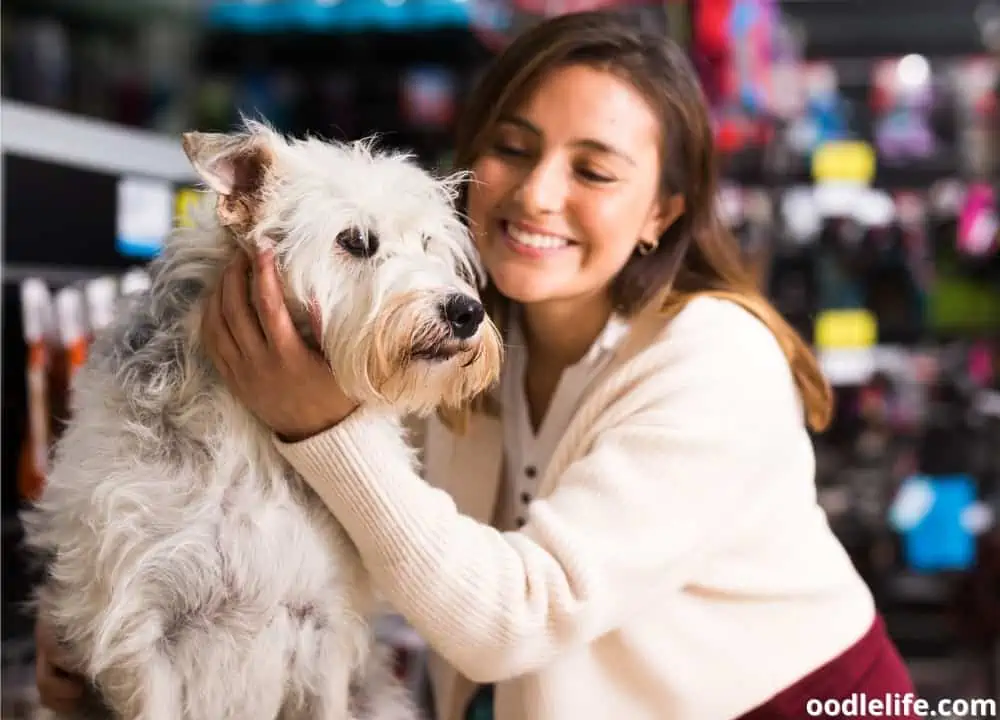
point(635, 534)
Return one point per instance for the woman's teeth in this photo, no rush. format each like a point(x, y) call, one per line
point(534, 240)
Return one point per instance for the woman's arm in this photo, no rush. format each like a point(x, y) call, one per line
point(633, 518)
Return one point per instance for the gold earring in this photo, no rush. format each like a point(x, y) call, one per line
point(645, 247)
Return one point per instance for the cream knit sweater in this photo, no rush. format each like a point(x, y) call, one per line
point(675, 565)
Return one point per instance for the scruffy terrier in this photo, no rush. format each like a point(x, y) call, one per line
point(190, 573)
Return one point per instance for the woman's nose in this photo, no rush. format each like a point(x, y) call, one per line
point(544, 189)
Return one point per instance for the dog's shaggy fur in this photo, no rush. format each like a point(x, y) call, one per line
point(190, 573)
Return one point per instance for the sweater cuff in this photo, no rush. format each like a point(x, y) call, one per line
point(365, 473)
point(333, 452)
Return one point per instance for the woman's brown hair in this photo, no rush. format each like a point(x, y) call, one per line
point(697, 254)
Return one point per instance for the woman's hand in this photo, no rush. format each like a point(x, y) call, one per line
point(58, 689)
point(253, 343)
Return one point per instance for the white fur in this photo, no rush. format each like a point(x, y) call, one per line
point(191, 574)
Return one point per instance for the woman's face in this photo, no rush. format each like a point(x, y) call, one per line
point(567, 187)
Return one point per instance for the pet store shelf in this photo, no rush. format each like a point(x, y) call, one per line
point(115, 13)
point(61, 140)
point(53, 275)
point(65, 139)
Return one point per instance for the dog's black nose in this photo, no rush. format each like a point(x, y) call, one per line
point(463, 314)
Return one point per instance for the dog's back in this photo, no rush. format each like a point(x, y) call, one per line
point(190, 573)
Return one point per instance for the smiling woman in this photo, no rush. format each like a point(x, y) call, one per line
point(594, 158)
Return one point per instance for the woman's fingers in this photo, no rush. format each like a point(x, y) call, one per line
point(276, 321)
point(237, 311)
point(58, 690)
point(219, 342)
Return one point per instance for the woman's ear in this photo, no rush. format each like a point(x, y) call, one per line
point(663, 214)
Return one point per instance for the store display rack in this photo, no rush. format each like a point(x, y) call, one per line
point(61, 220)
point(59, 179)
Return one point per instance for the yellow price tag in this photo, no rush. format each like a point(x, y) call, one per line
point(844, 161)
point(846, 329)
point(185, 200)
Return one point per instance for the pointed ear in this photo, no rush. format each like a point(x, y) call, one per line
point(234, 166)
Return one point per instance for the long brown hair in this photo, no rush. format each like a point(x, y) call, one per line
point(696, 255)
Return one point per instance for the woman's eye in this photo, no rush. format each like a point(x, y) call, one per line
point(594, 176)
point(509, 150)
point(358, 243)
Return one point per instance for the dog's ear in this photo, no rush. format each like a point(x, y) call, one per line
point(234, 166)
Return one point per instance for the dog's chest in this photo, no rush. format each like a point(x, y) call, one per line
point(252, 539)
point(274, 537)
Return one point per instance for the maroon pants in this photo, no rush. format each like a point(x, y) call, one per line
point(870, 675)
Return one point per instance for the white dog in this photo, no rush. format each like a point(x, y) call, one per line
point(190, 573)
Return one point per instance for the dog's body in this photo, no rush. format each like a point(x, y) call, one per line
point(192, 575)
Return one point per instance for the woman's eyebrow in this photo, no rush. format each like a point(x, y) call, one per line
point(586, 143)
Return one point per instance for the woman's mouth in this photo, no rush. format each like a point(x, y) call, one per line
point(531, 244)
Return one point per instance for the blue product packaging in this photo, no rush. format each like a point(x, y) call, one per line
point(932, 513)
point(248, 15)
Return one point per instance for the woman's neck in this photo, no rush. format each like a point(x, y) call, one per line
point(560, 332)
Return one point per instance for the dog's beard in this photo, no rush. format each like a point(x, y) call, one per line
point(408, 359)
point(431, 342)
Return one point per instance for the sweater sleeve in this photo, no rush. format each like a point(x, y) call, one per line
point(628, 522)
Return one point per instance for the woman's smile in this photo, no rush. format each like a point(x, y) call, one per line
point(531, 242)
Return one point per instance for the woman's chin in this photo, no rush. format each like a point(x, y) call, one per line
point(523, 287)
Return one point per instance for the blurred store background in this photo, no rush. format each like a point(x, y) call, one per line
point(861, 145)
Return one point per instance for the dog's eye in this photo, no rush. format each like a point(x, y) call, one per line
point(358, 243)
point(467, 274)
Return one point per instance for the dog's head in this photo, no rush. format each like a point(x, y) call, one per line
point(372, 244)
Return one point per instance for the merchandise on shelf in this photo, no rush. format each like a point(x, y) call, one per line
point(135, 281)
point(902, 100)
point(71, 316)
point(752, 30)
point(825, 117)
point(37, 319)
point(347, 16)
point(712, 47)
point(100, 294)
point(939, 519)
point(58, 327)
point(974, 82)
point(978, 225)
point(429, 97)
